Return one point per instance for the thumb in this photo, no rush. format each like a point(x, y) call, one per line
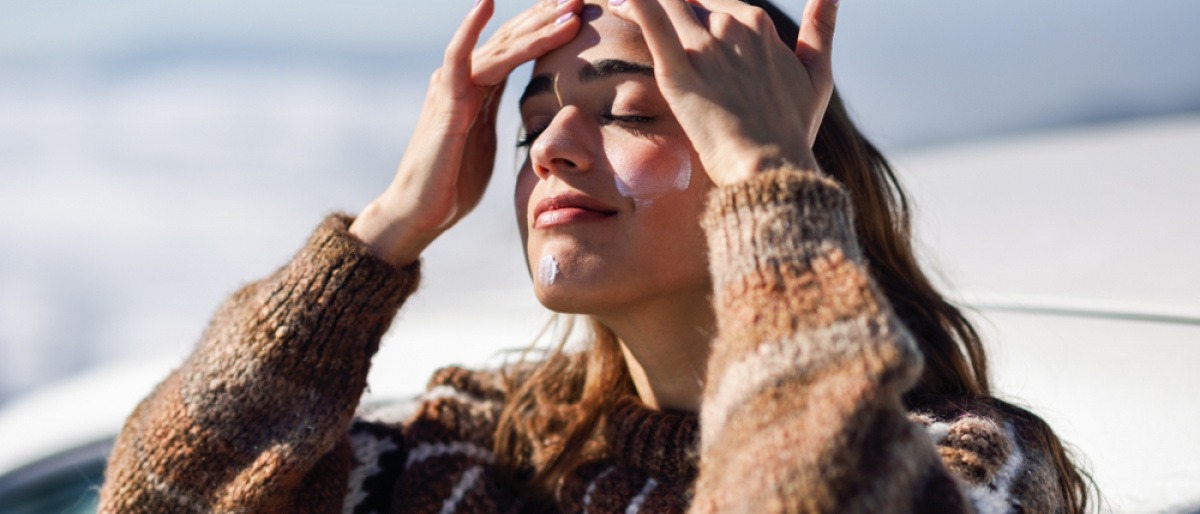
point(814, 46)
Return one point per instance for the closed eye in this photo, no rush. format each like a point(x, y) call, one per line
point(528, 137)
point(630, 121)
point(627, 118)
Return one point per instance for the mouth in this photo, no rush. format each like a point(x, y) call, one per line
point(569, 208)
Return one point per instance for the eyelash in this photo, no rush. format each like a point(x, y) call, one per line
point(630, 121)
point(526, 139)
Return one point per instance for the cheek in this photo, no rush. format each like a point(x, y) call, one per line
point(526, 181)
point(645, 171)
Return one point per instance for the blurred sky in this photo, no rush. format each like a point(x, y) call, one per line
point(912, 70)
point(154, 155)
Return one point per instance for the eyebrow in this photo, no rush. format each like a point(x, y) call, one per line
point(606, 68)
point(590, 72)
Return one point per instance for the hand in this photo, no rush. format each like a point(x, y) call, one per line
point(746, 101)
point(450, 157)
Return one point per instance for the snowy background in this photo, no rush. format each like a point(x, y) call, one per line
point(155, 155)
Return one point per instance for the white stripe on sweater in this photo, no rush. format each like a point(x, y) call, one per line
point(635, 505)
point(937, 431)
point(391, 413)
point(402, 411)
point(367, 449)
point(996, 497)
point(445, 391)
point(429, 450)
point(460, 489)
point(587, 493)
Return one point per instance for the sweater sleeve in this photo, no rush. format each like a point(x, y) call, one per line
point(256, 419)
point(802, 407)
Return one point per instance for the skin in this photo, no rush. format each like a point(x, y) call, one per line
point(640, 268)
point(640, 271)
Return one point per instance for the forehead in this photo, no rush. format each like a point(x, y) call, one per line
point(602, 36)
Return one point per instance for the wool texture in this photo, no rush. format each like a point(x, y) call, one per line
point(801, 410)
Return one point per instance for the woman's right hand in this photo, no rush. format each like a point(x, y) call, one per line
point(450, 156)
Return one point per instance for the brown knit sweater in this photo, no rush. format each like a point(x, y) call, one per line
point(801, 409)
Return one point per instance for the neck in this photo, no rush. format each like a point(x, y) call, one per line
point(666, 346)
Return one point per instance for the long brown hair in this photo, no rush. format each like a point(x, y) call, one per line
point(552, 417)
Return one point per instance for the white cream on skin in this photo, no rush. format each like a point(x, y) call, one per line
point(547, 270)
point(643, 185)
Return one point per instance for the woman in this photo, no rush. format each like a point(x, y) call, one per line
point(764, 339)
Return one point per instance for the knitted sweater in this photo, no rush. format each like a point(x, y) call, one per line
point(801, 409)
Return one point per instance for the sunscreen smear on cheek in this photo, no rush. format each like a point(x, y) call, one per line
point(547, 270)
point(683, 175)
point(645, 180)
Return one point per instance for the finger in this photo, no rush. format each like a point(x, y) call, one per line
point(535, 32)
point(458, 53)
point(485, 121)
point(814, 46)
point(745, 13)
point(663, 22)
point(479, 155)
point(481, 140)
point(493, 102)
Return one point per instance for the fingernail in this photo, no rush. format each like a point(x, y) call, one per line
point(616, 3)
point(564, 18)
point(560, 2)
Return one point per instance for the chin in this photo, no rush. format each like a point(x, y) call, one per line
point(564, 299)
point(571, 279)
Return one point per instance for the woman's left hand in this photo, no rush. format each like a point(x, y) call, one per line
point(746, 101)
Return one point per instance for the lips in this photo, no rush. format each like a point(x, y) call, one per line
point(568, 208)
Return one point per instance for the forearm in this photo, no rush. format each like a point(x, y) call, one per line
point(802, 407)
point(388, 235)
point(270, 389)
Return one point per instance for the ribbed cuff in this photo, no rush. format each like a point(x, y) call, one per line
point(776, 217)
point(332, 245)
point(350, 292)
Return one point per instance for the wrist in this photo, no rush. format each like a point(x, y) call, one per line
point(389, 237)
point(773, 159)
point(766, 159)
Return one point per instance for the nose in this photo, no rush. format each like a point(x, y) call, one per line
point(562, 147)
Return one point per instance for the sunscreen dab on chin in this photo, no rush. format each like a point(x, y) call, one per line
point(547, 270)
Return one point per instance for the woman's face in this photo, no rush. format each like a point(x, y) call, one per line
point(609, 198)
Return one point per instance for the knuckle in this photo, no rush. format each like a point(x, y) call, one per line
point(826, 25)
point(721, 25)
point(492, 53)
point(450, 55)
point(759, 18)
point(547, 39)
point(823, 24)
